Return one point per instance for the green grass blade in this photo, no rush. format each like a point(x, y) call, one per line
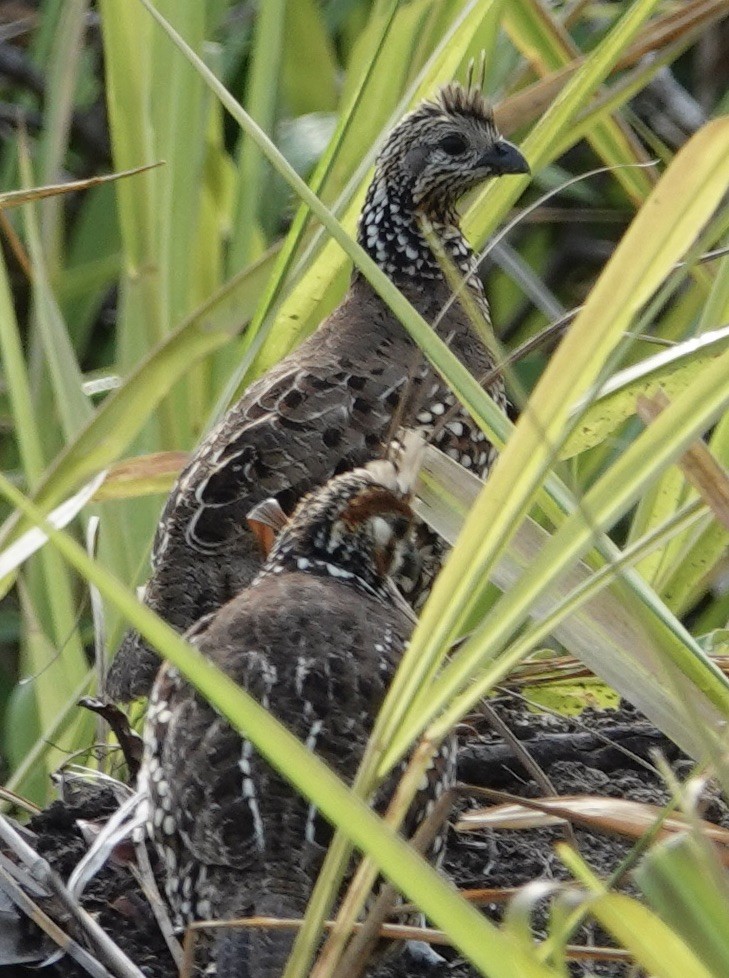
point(71, 403)
point(684, 883)
point(18, 384)
point(127, 36)
point(306, 43)
point(263, 83)
point(119, 418)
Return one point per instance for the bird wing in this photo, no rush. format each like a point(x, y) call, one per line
point(319, 659)
point(290, 432)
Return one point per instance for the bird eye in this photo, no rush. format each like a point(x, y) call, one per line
point(400, 527)
point(453, 145)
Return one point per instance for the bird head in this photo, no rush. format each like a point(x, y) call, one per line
point(444, 148)
point(356, 526)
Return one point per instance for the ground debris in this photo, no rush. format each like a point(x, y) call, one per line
point(600, 753)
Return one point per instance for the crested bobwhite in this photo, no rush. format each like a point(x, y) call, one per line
point(329, 404)
point(316, 639)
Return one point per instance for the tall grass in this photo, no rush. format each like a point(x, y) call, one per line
point(590, 523)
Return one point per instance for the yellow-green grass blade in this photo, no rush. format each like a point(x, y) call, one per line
point(681, 572)
point(606, 629)
point(655, 946)
point(662, 442)
point(494, 953)
point(716, 309)
point(701, 562)
point(657, 503)
point(127, 37)
point(216, 209)
point(539, 35)
point(179, 110)
point(617, 95)
point(128, 45)
point(688, 569)
point(671, 371)
point(547, 138)
point(179, 120)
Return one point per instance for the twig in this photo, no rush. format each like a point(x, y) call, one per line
point(146, 880)
point(39, 917)
point(18, 801)
point(41, 871)
point(522, 754)
point(399, 932)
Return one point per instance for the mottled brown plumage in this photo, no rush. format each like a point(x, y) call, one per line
point(316, 639)
point(329, 405)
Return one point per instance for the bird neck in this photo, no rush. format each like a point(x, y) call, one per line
point(390, 231)
point(346, 564)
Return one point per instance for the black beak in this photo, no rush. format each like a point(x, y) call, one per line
point(504, 157)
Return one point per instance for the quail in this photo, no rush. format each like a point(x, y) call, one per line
point(316, 639)
point(329, 405)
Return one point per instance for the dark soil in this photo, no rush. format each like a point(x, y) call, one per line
point(598, 753)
